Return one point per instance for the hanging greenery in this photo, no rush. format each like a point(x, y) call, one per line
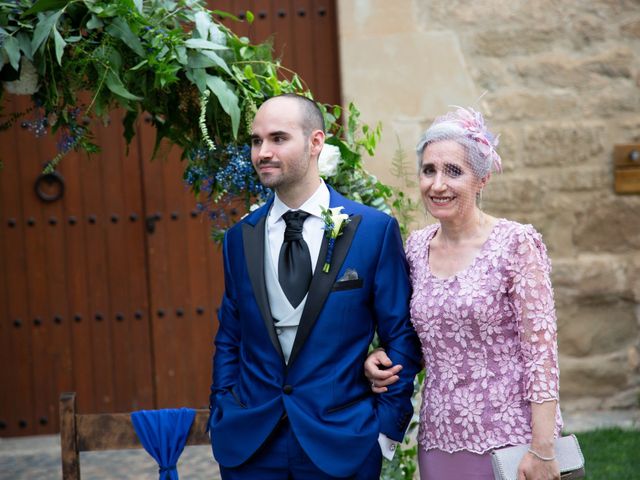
point(199, 83)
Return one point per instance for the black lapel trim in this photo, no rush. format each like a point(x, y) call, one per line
point(321, 284)
point(253, 242)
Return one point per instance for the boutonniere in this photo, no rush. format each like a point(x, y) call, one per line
point(334, 223)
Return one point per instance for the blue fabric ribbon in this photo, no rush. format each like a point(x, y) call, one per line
point(163, 434)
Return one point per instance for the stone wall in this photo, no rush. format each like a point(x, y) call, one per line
point(561, 83)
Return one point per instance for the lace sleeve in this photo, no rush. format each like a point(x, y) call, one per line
point(532, 299)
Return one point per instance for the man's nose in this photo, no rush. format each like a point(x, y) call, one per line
point(264, 151)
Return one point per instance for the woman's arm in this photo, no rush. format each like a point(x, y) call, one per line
point(540, 462)
point(532, 298)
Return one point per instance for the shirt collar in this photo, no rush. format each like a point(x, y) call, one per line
point(320, 198)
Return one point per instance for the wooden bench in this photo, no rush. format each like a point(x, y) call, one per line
point(106, 431)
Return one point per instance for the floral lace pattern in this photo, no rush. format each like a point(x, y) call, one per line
point(488, 337)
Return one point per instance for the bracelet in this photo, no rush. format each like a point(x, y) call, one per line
point(540, 457)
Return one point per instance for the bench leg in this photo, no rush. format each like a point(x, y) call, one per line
point(68, 437)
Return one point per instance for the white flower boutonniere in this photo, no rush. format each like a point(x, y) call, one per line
point(334, 223)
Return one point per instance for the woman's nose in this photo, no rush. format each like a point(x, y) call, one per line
point(439, 182)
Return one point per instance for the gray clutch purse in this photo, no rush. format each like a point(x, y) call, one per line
point(505, 461)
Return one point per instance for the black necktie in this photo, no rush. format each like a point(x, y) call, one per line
point(294, 262)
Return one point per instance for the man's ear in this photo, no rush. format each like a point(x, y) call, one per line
point(316, 142)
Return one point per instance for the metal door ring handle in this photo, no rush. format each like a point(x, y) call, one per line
point(49, 187)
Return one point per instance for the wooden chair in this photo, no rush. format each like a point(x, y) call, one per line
point(106, 431)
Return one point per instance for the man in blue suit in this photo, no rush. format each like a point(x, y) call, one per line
point(289, 398)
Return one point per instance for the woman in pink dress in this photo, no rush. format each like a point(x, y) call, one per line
point(483, 308)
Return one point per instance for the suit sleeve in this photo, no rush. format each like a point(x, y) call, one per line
point(227, 341)
point(392, 293)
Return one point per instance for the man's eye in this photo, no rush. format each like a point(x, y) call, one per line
point(278, 139)
point(255, 142)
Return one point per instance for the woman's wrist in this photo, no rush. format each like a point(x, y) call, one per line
point(542, 449)
point(544, 458)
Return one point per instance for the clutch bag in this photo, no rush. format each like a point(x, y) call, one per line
point(505, 461)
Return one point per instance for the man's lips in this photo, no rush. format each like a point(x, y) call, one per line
point(267, 167)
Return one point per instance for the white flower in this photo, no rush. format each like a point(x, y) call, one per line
point(253, 208)
point(329, 160)
point(27, 84)
point(338, 219)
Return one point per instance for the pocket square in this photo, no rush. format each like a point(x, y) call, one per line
point(349, 274)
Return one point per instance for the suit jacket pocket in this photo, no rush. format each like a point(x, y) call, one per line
point(347, 285)
point(351, 403)
point(237, 398)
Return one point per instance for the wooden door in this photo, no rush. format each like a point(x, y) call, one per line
point(73, 288)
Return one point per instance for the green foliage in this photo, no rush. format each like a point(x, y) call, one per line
point(172, 61)
point(403, 206)
point(611, 454)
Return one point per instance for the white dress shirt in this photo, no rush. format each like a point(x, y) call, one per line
point(312, 229)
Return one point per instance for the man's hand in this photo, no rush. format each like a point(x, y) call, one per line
point(379, 368)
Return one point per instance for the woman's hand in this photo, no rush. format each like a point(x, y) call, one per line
point(532, 468)
point(379, 368)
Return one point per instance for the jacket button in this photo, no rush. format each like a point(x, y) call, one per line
point(287, 389)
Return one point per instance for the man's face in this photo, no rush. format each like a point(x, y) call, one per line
point(280, 151)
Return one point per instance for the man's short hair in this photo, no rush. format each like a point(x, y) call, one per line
point(312, 118)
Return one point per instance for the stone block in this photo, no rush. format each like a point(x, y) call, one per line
point(621, 98)
point(496, 12)
point(592, 276)
point(613, 63)
point(593, 376)
point(501, 42)
point(584, 73)
point(609, 225)
point(624, 400)
point(592, 328)
point(631, 29)
point(562, 143)
point(522, 104)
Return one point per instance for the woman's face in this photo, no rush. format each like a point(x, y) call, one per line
point(447, 184)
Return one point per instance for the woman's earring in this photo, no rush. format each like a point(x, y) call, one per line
point(479, 198)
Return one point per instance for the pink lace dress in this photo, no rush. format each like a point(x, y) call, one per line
point(488, 338)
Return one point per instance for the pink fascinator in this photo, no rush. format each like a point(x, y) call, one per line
point(473, 124)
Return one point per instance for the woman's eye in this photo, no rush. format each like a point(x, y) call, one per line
point(453, 170)
point(428, 170)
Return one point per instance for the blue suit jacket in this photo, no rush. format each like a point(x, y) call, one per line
point(323, 389)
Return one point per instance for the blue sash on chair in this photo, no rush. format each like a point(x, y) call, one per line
point(163, 434)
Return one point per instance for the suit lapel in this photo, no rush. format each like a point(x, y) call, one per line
point(321, 283)
point(253, 243)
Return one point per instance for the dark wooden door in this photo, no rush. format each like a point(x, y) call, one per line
point(74, 293)
point(111, 290)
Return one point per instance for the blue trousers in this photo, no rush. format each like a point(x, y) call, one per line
point(282, 458)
